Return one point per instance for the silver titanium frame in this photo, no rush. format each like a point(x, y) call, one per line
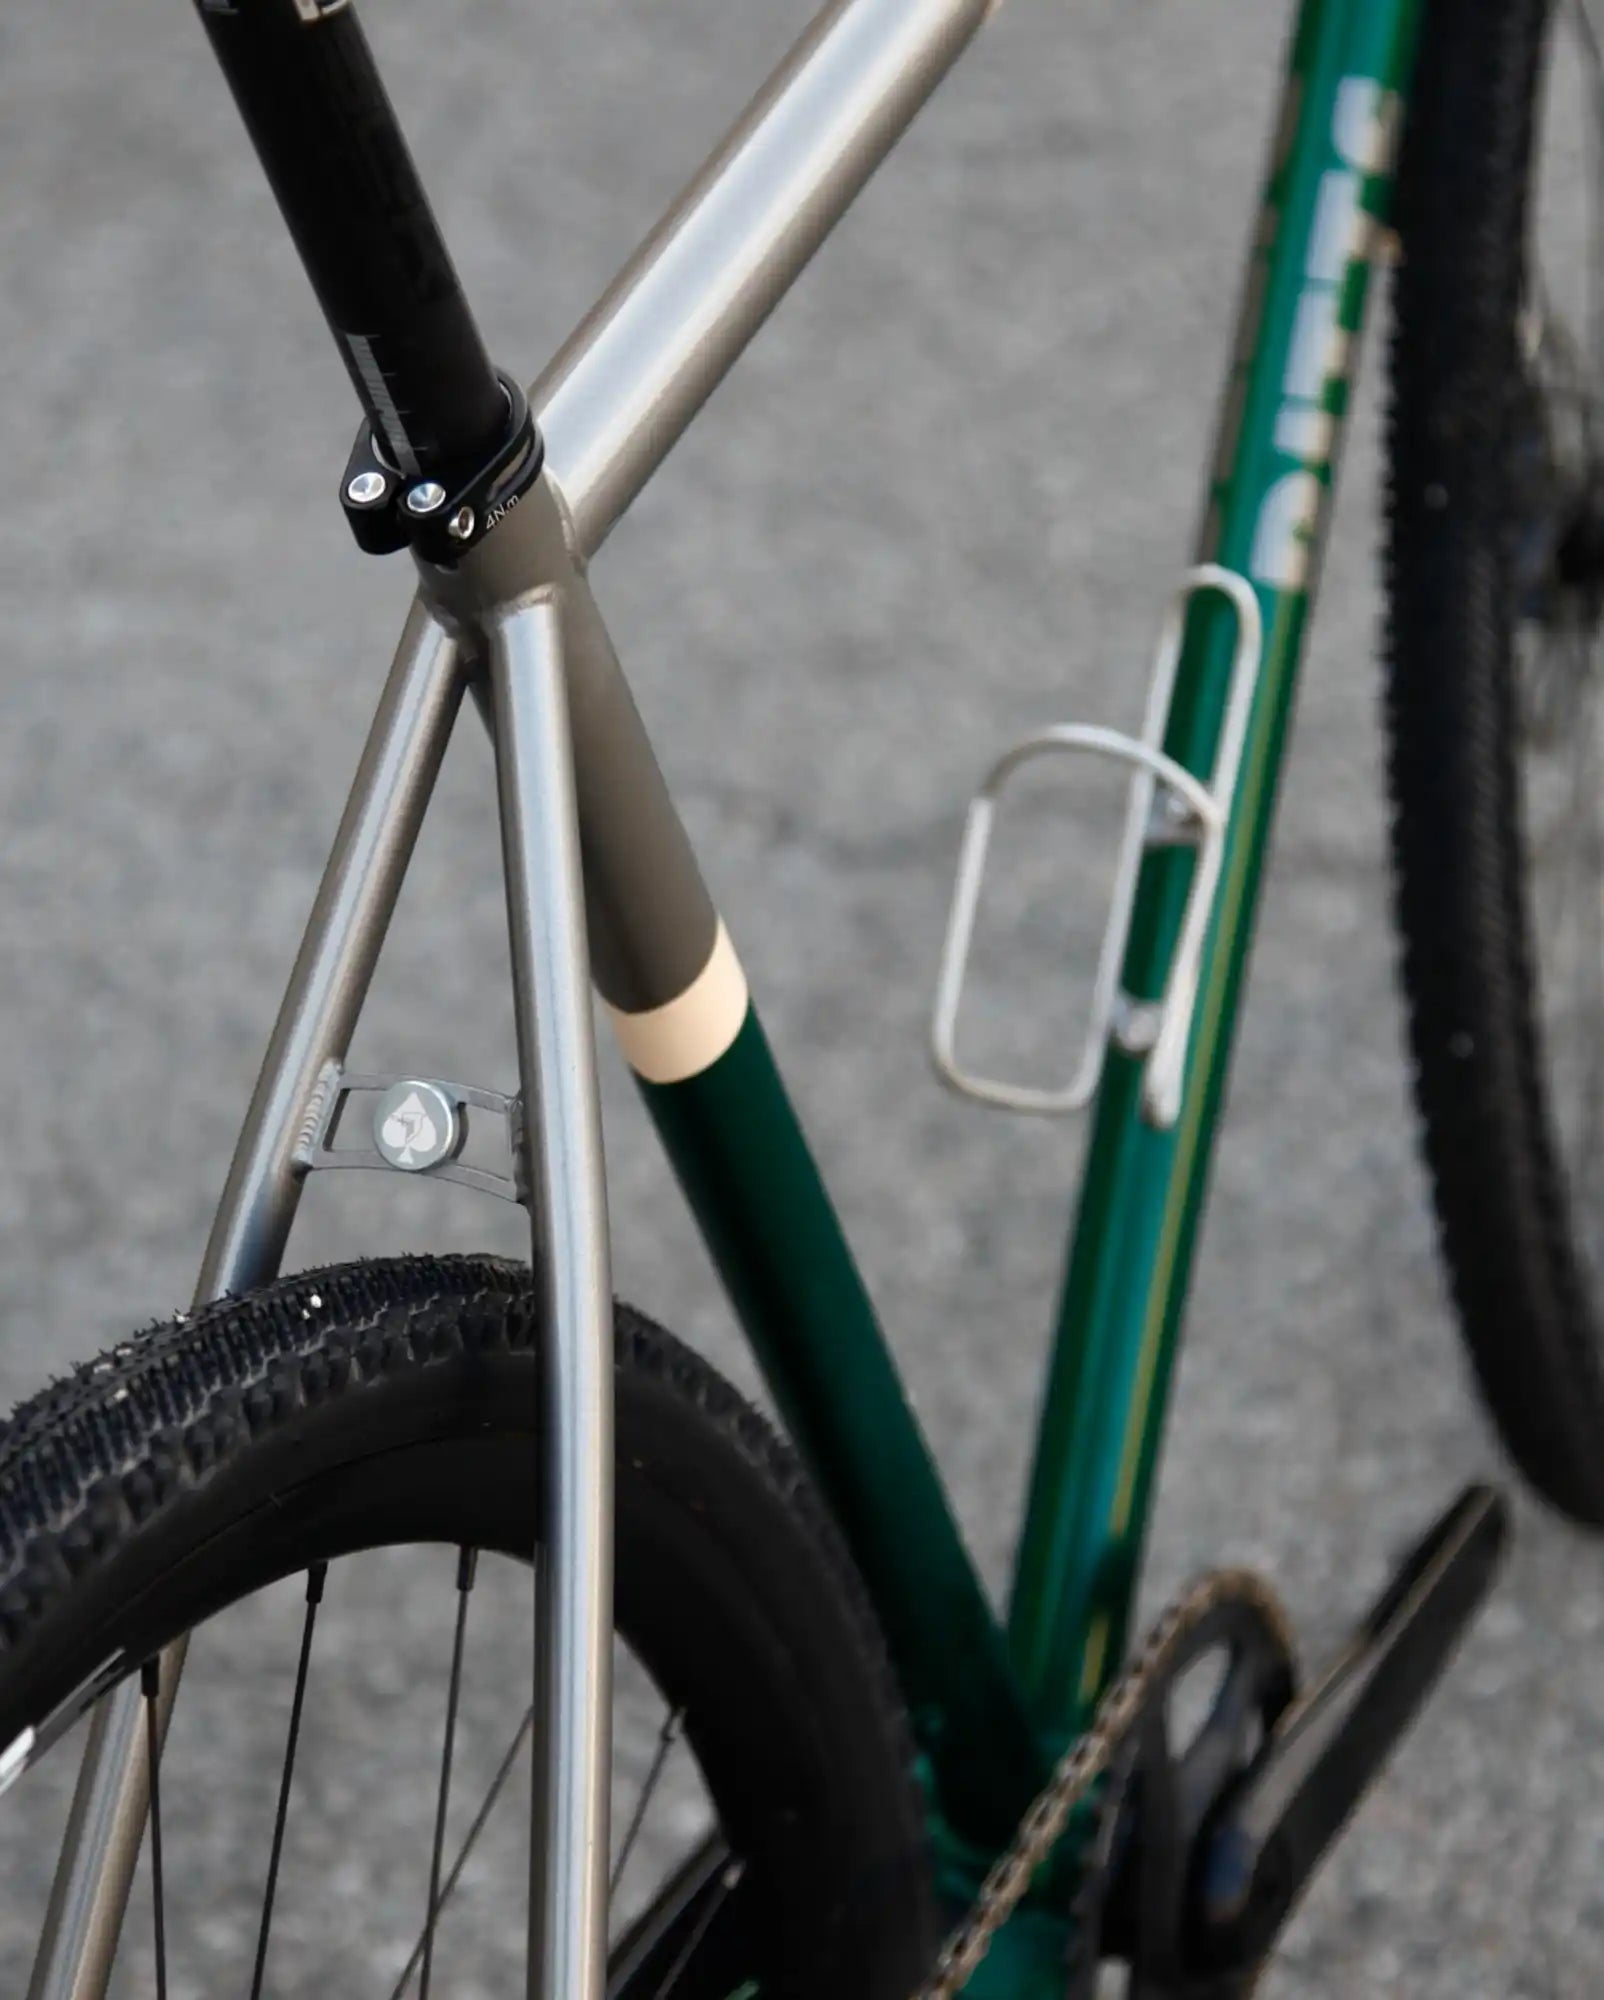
point(325, 994)
point(611, 405)
point(626, 383)
point(561, 1145)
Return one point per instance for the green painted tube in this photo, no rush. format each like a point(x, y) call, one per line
point(1142, 1192)
point(734, 1142)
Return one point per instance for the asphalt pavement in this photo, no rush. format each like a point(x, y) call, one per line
point(941, 501)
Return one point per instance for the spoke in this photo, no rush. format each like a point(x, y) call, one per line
point(151, 1680)
point(652, 1940)
point(729, 1880)
point(315, 1577)
point(481, 1819)
point(467, 1565)
point(667, 1736)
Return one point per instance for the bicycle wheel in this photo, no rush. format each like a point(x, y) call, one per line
point(1496, 581)
point(380, 1406)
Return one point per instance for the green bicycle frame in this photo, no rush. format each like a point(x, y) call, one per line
point(1268, 502)
point(990, 1709)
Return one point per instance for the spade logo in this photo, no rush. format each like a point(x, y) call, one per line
point(409, 1133)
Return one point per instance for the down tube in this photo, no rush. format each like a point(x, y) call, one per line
point(1328, 184)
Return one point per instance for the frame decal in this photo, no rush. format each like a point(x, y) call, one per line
point(1326, 199)
point(671, 1043)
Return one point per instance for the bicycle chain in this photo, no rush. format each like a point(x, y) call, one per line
point(1083, 1764)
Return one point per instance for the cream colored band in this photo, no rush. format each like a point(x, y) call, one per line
point(670, 1043)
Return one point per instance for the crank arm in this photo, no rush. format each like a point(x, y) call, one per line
point(1330, 1746)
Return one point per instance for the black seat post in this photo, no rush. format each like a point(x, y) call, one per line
point(305, 81)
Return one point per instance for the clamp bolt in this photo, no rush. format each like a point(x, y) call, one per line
point(367, 489)
point(426, 497)
point(461, 524)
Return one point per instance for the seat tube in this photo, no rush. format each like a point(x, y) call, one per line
point(561, 1144)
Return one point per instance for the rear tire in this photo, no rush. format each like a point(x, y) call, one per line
point(1493, 551)
point(394, 1402)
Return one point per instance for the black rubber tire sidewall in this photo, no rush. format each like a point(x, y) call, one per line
point(731, 1588)
point(1524, 1301)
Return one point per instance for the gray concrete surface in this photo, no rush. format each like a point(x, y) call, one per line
point(940, 502)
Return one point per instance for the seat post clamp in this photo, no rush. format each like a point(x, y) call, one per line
point(441, 519)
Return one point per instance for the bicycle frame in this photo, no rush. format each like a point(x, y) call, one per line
point(516, 622)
